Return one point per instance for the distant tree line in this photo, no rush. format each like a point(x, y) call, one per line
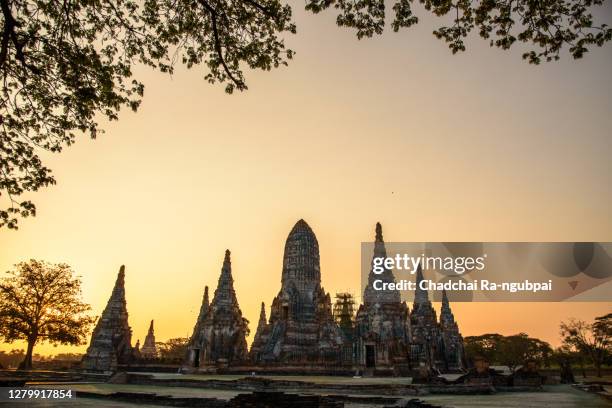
point(173, 350)
point(13, 358)
point(511, 351)
point(589, 343)
point(583, 344)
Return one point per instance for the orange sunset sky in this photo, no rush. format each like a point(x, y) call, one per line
point(479, 146)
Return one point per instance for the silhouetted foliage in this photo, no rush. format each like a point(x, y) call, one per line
point(547, 26)
point(12, 358)
point(567, 358)
point(41, 302)
point(67, 64)
point(592, 340)
point(510, 351)
point(485, 345)
point(515, 350)
point(173, 350)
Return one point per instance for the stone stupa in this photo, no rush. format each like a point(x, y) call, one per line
point(301, 330)
point(149, 349)
point(219, 338)
point(111, 340)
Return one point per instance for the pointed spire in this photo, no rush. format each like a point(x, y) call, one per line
point(379, 235)
point(420, 296)
point(370, 295)
point(112, 336)
point(379, 244)
point(227, 260)
point(262, 314)
point(261, 325)
point(224, 293)
point(205, 301)
point(446, 315)
point(117, 297)
point(201, 316)
point(149, 348)
point(221, 334)
point(227, 266)
point(119, 288)
point(121, 276)
point(226, 270)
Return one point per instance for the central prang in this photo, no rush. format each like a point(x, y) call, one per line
point(301, 328)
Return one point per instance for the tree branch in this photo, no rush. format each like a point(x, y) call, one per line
point(9, 26)
point(9, 33)
point(217, 41)
point(261, 8)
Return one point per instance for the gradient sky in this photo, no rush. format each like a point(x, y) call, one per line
point(478, 146)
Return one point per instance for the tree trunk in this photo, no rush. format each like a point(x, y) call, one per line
point(26, 364)
point(598, 368)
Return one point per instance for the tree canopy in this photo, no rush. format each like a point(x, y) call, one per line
point(592, 340)
point(546, 26)
point(173, 349)
point(41, 302)
point(67, 64)
point(510, 351)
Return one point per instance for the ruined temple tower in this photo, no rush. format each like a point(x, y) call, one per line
point(137, 350)
point(201, 317)
point(260, 335)
point(452, 341)
point(382, 324)
point(370, 295)
point(301, 330)
point(219, 338)
point(111, 340)
point(149, 349)
point(426, 347)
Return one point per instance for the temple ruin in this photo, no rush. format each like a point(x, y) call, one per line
point(382, 323)
point(452, 341)
point(303, 334)
point(111, 341)
point(436, 345)
point(258, 341)
point(149, 349)
point(301, 330)
point(219, 338)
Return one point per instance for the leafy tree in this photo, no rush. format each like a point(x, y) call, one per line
point(510, 351)
point(41, 302)
point(485, 345)
point(66, 64)
point(514, 350)
point(174, 349)
point(593, 340)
